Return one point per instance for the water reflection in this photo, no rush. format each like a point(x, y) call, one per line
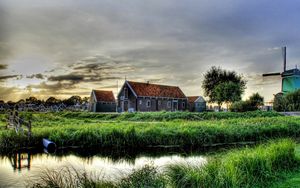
point(15, 168)
point(20, 160)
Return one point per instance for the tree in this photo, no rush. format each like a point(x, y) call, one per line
point(85, 99)
point(52, 101)
point(21, 101)
point(227, 79)
point(32, 100)
point(227, 92)
point(256, 100)
point(73, 100)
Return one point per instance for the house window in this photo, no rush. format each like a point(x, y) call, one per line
point(159, 103)
point(169, 104)
point(126, 93)
point(140, 102)
point(183, 104)
point(148, 103)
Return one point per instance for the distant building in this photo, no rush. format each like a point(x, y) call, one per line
point(146, 97)
point(196, 104)
point(102, 101)
point(290, 80)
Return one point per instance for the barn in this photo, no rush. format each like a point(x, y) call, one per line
point(196, 104)
point(102, 101)
point(146, 97)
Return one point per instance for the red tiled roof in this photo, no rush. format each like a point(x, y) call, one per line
point(154, 90)
point(105, 96)
point(192, 98)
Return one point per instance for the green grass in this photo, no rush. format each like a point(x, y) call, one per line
point(148, 116)
point(70, 177)
point(167, 116)
point(91, 132)
point(290, 179)
point(255, 167)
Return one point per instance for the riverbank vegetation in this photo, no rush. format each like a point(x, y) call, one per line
point(249, 167)
point(255, 167)
point(94, 132)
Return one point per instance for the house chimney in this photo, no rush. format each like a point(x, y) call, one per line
point(284, 58)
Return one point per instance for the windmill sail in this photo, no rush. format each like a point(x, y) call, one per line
point(272, 74)
point(284, 57)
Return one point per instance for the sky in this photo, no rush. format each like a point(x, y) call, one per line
point(69, 47)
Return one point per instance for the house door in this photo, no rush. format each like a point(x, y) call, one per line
point(125, 109)
point(175, 105)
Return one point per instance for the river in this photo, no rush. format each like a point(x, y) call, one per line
point(17, 168)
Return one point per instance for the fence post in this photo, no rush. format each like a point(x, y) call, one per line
point(29, 128)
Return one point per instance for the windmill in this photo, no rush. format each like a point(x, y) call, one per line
point(290, 79)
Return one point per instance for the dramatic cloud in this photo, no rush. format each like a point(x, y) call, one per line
point(81, 45)
point(3, 66)
point(37, 76)
point(3, 78)
point(69, 77)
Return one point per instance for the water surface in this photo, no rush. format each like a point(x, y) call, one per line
point(16, 168)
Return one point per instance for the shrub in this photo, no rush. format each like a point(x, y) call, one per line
point(251, 104)
point(144, 177)
point(287, 102)
point(242, 106)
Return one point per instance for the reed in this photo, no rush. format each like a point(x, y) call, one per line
point(250, 167)
point(70, 177)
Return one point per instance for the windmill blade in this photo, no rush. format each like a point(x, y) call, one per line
point(272, 74)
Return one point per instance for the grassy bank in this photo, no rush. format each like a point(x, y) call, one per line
point(249, 167)
point(99, 134)
point(257, 167)
point(289, 179)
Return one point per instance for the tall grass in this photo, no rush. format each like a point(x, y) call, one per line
point(168, 116)
point(255, 167)
point(69, 177)
point(70, 132)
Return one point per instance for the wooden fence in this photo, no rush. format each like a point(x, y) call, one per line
point(18, 123)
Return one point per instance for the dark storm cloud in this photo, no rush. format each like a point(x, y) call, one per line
point(4, 78)
point(52, 88)
point(102, 64)
point(37, 76)
point(3, 66)
point(68, 77)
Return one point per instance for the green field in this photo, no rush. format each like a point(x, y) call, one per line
point(66, 130)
